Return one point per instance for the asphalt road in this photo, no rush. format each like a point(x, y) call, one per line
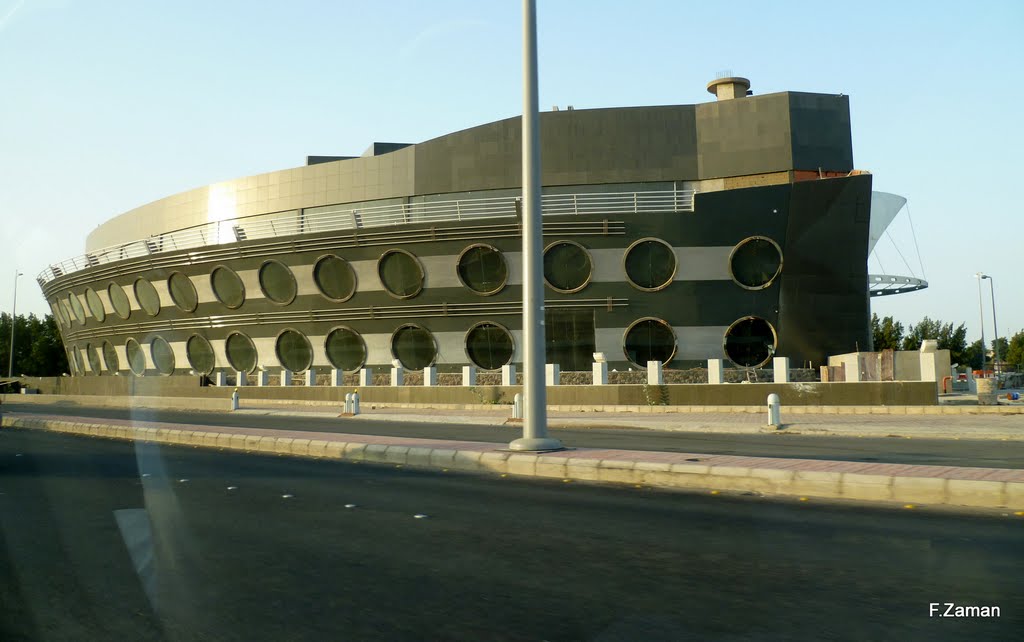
point(940, 452)
point(245, 547)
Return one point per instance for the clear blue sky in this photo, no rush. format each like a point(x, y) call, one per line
point(109, 105)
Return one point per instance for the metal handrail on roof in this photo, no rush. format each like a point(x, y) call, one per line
point(344, 217)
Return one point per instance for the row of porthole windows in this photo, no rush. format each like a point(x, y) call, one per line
point(649, 264)
point(749, 342)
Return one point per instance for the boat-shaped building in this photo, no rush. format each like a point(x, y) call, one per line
point(734, 229)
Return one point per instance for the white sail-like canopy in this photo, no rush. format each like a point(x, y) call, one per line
point(884, 208)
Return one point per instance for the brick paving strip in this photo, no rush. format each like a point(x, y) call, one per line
point(864, 481)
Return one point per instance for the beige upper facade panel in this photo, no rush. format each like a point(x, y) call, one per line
point(354, 180)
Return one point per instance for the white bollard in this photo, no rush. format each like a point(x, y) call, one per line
point(774, 411)
point(365, 377)
point(654, 375)
point(780, 369)
point(355, 403)
point(600, 370)
point(430, 376)
point(715, 371)
point(234, 400)
point(397, 375)
point(286, 377)
point(348, 404)
point(508, 375)
point(552, 374)
point(337, 376)
point(469, 375)
point(517, 406)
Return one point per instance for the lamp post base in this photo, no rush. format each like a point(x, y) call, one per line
point(545, 444)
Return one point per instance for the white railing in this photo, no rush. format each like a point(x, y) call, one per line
point(346, 217)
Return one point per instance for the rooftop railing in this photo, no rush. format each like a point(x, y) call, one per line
point(346, 217)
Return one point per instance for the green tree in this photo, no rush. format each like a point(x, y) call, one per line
point(1014, 354)
point(948, 337)
point(887, 333)
point(38, 351)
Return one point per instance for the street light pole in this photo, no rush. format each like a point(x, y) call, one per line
point(14, 312)
point(992, 290)
point(535, 417)
point(981, 310)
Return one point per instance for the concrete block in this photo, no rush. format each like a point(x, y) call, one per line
point(442, 457)
point(621, 472)
point(337, 377)
point(252, 442)
point(600, 373)
point(375, 452)
point(418, 457)
point(468, 460)
point(237, 442)
point(397, 376)
point(817, 483)
point(353, 452)
point(654, 374)
point(552, 374)
point(548, 466)
point(972, 492)
point(581, 468)
point(730, 471)
point(430, 376)
point(690, 469)
point(300, 447)
point(210, 439)
point(365, 377)
point(311, 377)
point(866, 487)
point(335, 449)
point(262, 378)
point(469, 375)
point(522, 464)
point(1013, 495)
point(286, 378)
point(780, 369)
point(715, 371)
point(317, 448)
point(508, 375)
point(283, 446)
point(926, 490)
point(267, 445)
point(220, 378)
point(494, 461)
point(241, 379)
point(396, 454)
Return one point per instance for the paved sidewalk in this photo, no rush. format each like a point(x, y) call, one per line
point(904, 483)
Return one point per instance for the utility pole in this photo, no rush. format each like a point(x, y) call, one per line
point(14, 312)
point(535, 413)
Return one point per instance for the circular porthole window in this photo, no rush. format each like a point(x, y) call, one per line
point(227, 286)
point(200, 355)
point(482, 269)
point(95, 305)
point(489, 345)
point(650, 264)
point(400, 273)
point(76, 308)
point(649, 339)
point(58, 313)
point(241, 352)
point(294, 352)
point(110, 358)
point(335, 278)
point(755, 262)
point(79, 364)
point(163, 355)
point(345, 349)
point(93, 355)
point(119, 301)
point(750, 342)
point(567, 266)
point(147, 297)
point(183, 292)
point(277, 282)
point(413, 346)
point(136, 357)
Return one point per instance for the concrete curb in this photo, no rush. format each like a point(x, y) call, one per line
point(930, 485)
